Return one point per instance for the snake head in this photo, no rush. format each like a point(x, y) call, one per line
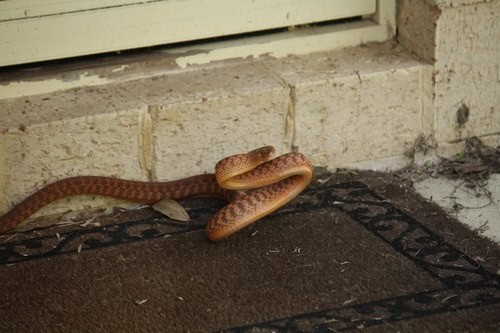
point(237, 165)
point(262, 154)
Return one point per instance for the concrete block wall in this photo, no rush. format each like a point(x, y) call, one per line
point(461, 39)
point(341, 108)
point(361, 116)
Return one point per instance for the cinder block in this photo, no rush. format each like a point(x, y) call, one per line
point(69, 137)
point(467, 71)
point(460, 39)
point(372, 113)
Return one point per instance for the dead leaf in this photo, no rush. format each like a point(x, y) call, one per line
point(172, 209)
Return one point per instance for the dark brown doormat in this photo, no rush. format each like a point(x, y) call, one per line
point(361, 252)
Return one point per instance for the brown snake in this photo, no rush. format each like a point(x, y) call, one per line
point(275, 182)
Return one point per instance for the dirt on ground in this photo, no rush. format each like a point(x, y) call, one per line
point(474, 165)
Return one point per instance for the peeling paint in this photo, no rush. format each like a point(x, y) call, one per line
point(26, 88)
point(301, 41)
point(120, 69)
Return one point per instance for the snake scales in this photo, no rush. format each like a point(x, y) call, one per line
point(275, 182)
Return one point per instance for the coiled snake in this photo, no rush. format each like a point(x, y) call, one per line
point(275, 182)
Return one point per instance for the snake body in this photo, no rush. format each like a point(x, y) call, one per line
point(274, 182)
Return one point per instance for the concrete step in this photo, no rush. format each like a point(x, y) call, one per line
point(146, 119)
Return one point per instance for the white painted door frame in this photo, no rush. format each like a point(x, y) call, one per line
point(33, 30)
